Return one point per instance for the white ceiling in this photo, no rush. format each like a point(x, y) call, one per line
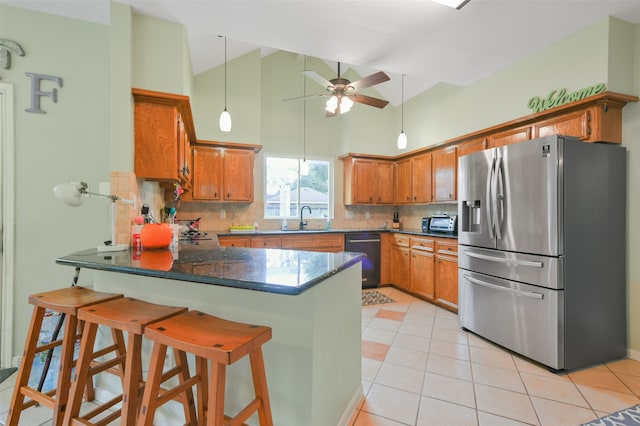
point(426, 41)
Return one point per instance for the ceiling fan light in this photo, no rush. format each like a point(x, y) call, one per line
point(345, 104)
point(402, 140)
point(225, 121)
point(332, 104)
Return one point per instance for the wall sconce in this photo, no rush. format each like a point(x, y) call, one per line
point(75, 194)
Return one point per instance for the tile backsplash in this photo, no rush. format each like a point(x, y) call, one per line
point(218, 217)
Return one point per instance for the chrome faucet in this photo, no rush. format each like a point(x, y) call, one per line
point(303, 223)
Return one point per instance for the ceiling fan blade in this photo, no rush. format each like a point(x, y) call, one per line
point(330, 114)
point(369, 81)
point(318, 79)
point(368, 100)
point(315, 95)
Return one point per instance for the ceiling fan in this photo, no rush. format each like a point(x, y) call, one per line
point(343, 93)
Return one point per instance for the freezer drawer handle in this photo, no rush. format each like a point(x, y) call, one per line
point(364, 241)
point(510, 290)
point(498, 259)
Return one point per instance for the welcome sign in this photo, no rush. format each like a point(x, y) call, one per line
point(561, 97)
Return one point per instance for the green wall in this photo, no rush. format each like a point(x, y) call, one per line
point(92, 119)
point(68, 143)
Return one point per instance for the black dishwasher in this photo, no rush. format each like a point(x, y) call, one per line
point(369, 244)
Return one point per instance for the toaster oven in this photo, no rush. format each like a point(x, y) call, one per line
point(443, 223)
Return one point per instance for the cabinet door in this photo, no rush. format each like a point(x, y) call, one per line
point(238, 175)
point(422, 273)
point(184, 152)
point(363, 182)
point(447, 280)
point(400, 267)
point(207, 174)
point(156, 131)
point(402, 182)
point(421, 179)
point(446, 272)
point(508, 137)
point(576, 124)
point(472, 145)
point(384, 182)
point(444, 174)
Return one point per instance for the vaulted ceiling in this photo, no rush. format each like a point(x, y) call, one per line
point(426, 41)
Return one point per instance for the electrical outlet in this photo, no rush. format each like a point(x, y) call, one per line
point(348, 214)
point(367, 215)
point(104, 188)
point(223, 214)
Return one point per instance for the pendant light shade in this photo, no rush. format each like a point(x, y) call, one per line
point(402, 137)
point(402, 141)
point(225, 121)
point(225, 117)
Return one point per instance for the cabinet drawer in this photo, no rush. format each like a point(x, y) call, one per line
point(317, 242)
point(266, 242)
point(400, 240)
point(449, 248)
point(234, 241)
point(421, 244)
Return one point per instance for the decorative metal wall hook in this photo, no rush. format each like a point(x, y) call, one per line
point(6, 47)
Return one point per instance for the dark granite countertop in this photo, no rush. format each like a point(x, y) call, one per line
point(340, 231)
point(271, 270)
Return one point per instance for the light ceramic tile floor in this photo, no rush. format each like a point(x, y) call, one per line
point(419, 368)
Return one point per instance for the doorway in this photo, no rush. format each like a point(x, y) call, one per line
point(7, 222)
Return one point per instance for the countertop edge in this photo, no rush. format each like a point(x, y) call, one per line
point(215, 280)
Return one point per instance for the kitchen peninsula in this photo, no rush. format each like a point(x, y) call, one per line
point(311, 300)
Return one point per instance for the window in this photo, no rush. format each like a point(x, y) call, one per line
point(288, 187)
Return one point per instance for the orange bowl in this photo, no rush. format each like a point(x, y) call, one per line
point(156, 235)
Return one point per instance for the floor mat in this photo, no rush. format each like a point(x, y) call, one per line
point(6, 372)
point(627, 417)
point(374, 297)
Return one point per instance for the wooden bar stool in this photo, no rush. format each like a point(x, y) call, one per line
point(123, 315)
point(210, 339)
point(66, 301)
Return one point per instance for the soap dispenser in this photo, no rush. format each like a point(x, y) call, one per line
point(285, 225)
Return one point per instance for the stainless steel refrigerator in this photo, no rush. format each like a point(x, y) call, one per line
point(542, 249)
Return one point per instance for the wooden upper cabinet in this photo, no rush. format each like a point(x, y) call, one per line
point(472, 145)
point(367, 181)
point(421, 178)
point(445, 168)
point(402, 182)
point(163, 131)
point(207, 174)
point(222, 171)
point(510, 136)
point(577, 123)
point(384, 182)
point(238, 175)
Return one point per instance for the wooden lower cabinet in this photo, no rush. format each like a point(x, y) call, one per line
point(426, 267)
point(333, 242)
point(400, 261)
point(234, 241)
point(446, 273)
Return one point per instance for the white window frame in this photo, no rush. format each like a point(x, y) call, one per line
point(330, 186)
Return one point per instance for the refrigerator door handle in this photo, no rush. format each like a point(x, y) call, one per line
point(499, 197)
point(531, 294)
point(501, 260)
point(489, 198)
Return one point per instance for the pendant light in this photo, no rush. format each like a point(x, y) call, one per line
point(402, 137)
point(225, 117)
point(304, 166)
